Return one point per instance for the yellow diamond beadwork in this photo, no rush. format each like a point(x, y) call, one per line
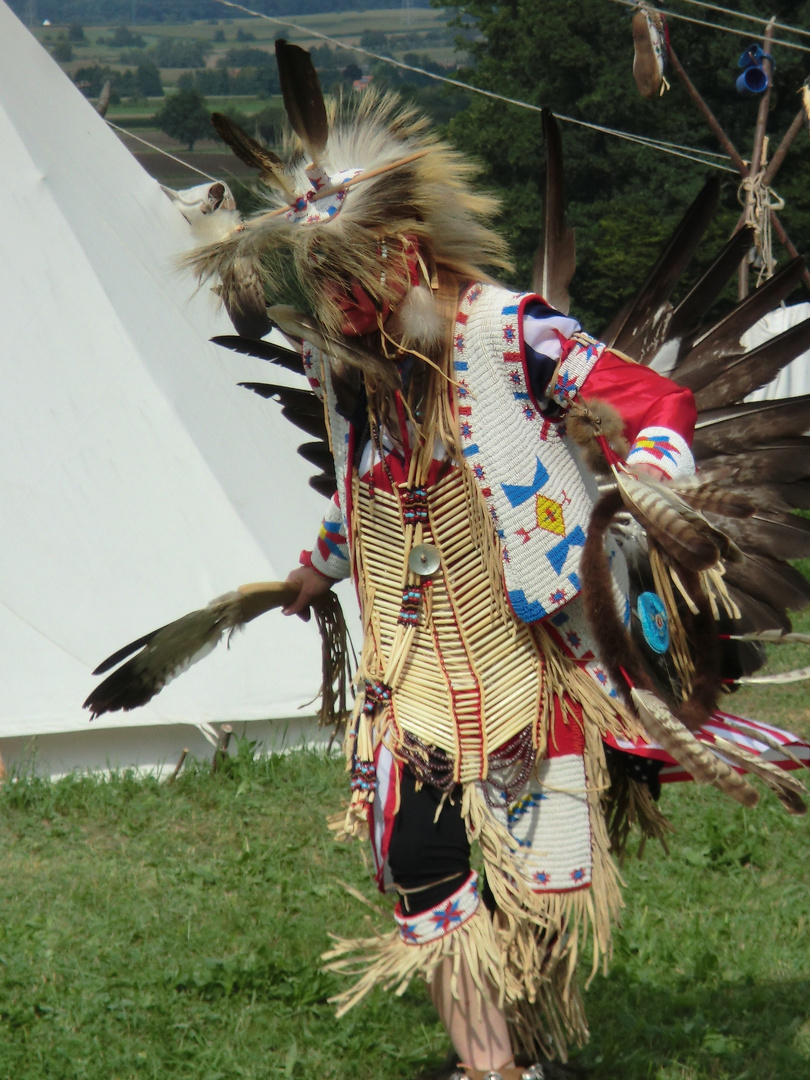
point(550, 515)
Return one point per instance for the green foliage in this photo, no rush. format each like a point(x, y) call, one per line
point(62, 50)
point(178, 53)
point(577, 60)
point(214, 82)
point(147, 79)
point(185, 117)
point(123, 38)
point(246, 56)
point(76, 35)
point(374, 41)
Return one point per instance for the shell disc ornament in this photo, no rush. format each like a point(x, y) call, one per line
point(424, 560)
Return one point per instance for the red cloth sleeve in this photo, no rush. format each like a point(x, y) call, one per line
point(642, 397)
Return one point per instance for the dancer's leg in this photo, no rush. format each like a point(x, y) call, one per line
point(476, 1026)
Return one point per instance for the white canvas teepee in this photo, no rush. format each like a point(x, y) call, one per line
point(793, 380)
point(137, 481)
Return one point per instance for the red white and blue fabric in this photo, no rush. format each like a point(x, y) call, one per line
point(735, 729)
point(330, 556)
point(665, 449)
point(438, 922)
point(381, 813)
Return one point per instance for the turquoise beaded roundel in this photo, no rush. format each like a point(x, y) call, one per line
point(654, 623)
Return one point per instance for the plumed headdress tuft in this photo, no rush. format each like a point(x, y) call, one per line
point(382, 204)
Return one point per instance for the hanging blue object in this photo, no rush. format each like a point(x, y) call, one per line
point(754, 79)
point(654, 623)
point(754, 55)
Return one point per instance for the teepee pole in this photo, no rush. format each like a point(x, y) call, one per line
point(733, 153)
point(757, 165)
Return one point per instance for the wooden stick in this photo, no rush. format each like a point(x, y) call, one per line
point(711, 119)
point(179, 765)
point(3, 771)
point(734, 154)
point(221, 751)
point(776, 161)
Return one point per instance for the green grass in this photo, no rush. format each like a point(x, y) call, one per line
point(174, 931)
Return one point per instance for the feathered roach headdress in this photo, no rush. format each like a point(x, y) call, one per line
point(370, 197)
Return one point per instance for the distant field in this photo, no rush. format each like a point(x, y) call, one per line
point(404, 27)
point(423, 31)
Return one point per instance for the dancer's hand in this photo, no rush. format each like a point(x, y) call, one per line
point(643, 471)
point(312, 585)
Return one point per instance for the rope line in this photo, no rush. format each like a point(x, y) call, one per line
point(702, 22)
point(159, 150)
point(744, 15)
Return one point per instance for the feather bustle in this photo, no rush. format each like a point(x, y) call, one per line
point(694, 756)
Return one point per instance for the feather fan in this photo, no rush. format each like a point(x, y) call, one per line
point(165, 653)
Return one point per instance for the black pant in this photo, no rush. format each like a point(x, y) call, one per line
point(424, 853)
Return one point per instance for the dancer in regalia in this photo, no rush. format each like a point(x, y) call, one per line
point(501, 698)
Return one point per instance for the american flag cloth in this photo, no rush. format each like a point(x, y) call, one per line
point(752, 735)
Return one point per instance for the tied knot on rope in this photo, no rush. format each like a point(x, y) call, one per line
point(759, 201)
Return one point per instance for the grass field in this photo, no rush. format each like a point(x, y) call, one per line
point(174, 932)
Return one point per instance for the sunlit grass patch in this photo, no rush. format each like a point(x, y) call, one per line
point(174, 931)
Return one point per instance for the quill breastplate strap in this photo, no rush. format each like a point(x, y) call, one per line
point(465, 675)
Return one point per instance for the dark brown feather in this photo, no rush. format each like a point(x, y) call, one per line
point(555, 261)
point(324, 485)
point(737, 377)
point(773, 583)
point(755, 613)
point(303, 99)
point(740, 428)
point(262, 350)
point(301, 407)
point(794, 496)
point(698, 366)
point(769, 532)
point(788, 462)
point(247, 149)
point(642, 328)
point(127, 650)
point(701, 296)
